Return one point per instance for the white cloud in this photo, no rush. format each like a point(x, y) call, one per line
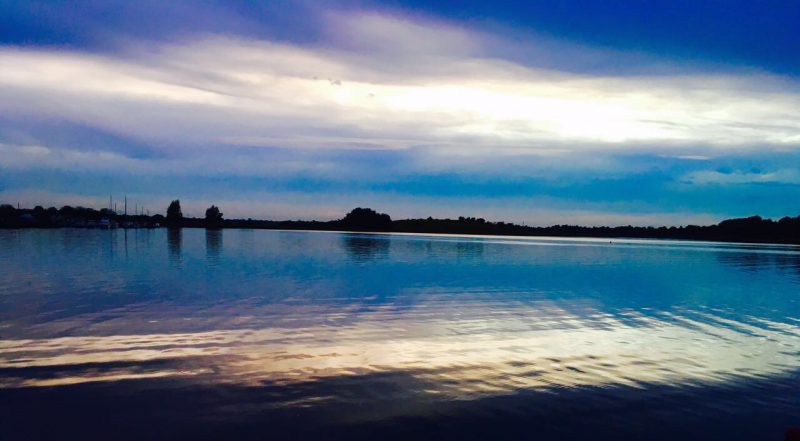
point(705, 177)
point(385, 93)
point(686, 157)
point(26, 157)
point(372, 33)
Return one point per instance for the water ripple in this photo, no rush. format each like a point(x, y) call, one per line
point(376, 327)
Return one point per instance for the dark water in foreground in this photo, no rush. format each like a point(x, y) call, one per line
point(242, 334)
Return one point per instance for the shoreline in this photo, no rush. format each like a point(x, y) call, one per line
point(753, 229)
point(575, 238)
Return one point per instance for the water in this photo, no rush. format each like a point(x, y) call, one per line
point(241, 334)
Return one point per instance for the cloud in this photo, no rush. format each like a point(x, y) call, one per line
point(222, 91)
point(386, 104)
point(397, 35)
point(707, 177)
point(38, 157)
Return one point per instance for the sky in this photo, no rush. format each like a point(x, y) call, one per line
point(587, 112)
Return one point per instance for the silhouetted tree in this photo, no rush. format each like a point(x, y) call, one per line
point(7, 210)
point(366, 219)
point(174, 214)
point(213, 217)
point(39, 214)
point(8, 214)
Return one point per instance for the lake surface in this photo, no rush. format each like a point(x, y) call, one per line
point(241, 334)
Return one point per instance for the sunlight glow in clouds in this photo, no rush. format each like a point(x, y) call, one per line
point(224, 91)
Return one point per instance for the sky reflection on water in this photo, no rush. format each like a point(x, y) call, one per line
point(411, 319)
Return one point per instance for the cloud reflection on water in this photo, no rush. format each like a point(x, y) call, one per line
point(476, 351)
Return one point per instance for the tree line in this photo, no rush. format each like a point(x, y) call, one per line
point(749, 229)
